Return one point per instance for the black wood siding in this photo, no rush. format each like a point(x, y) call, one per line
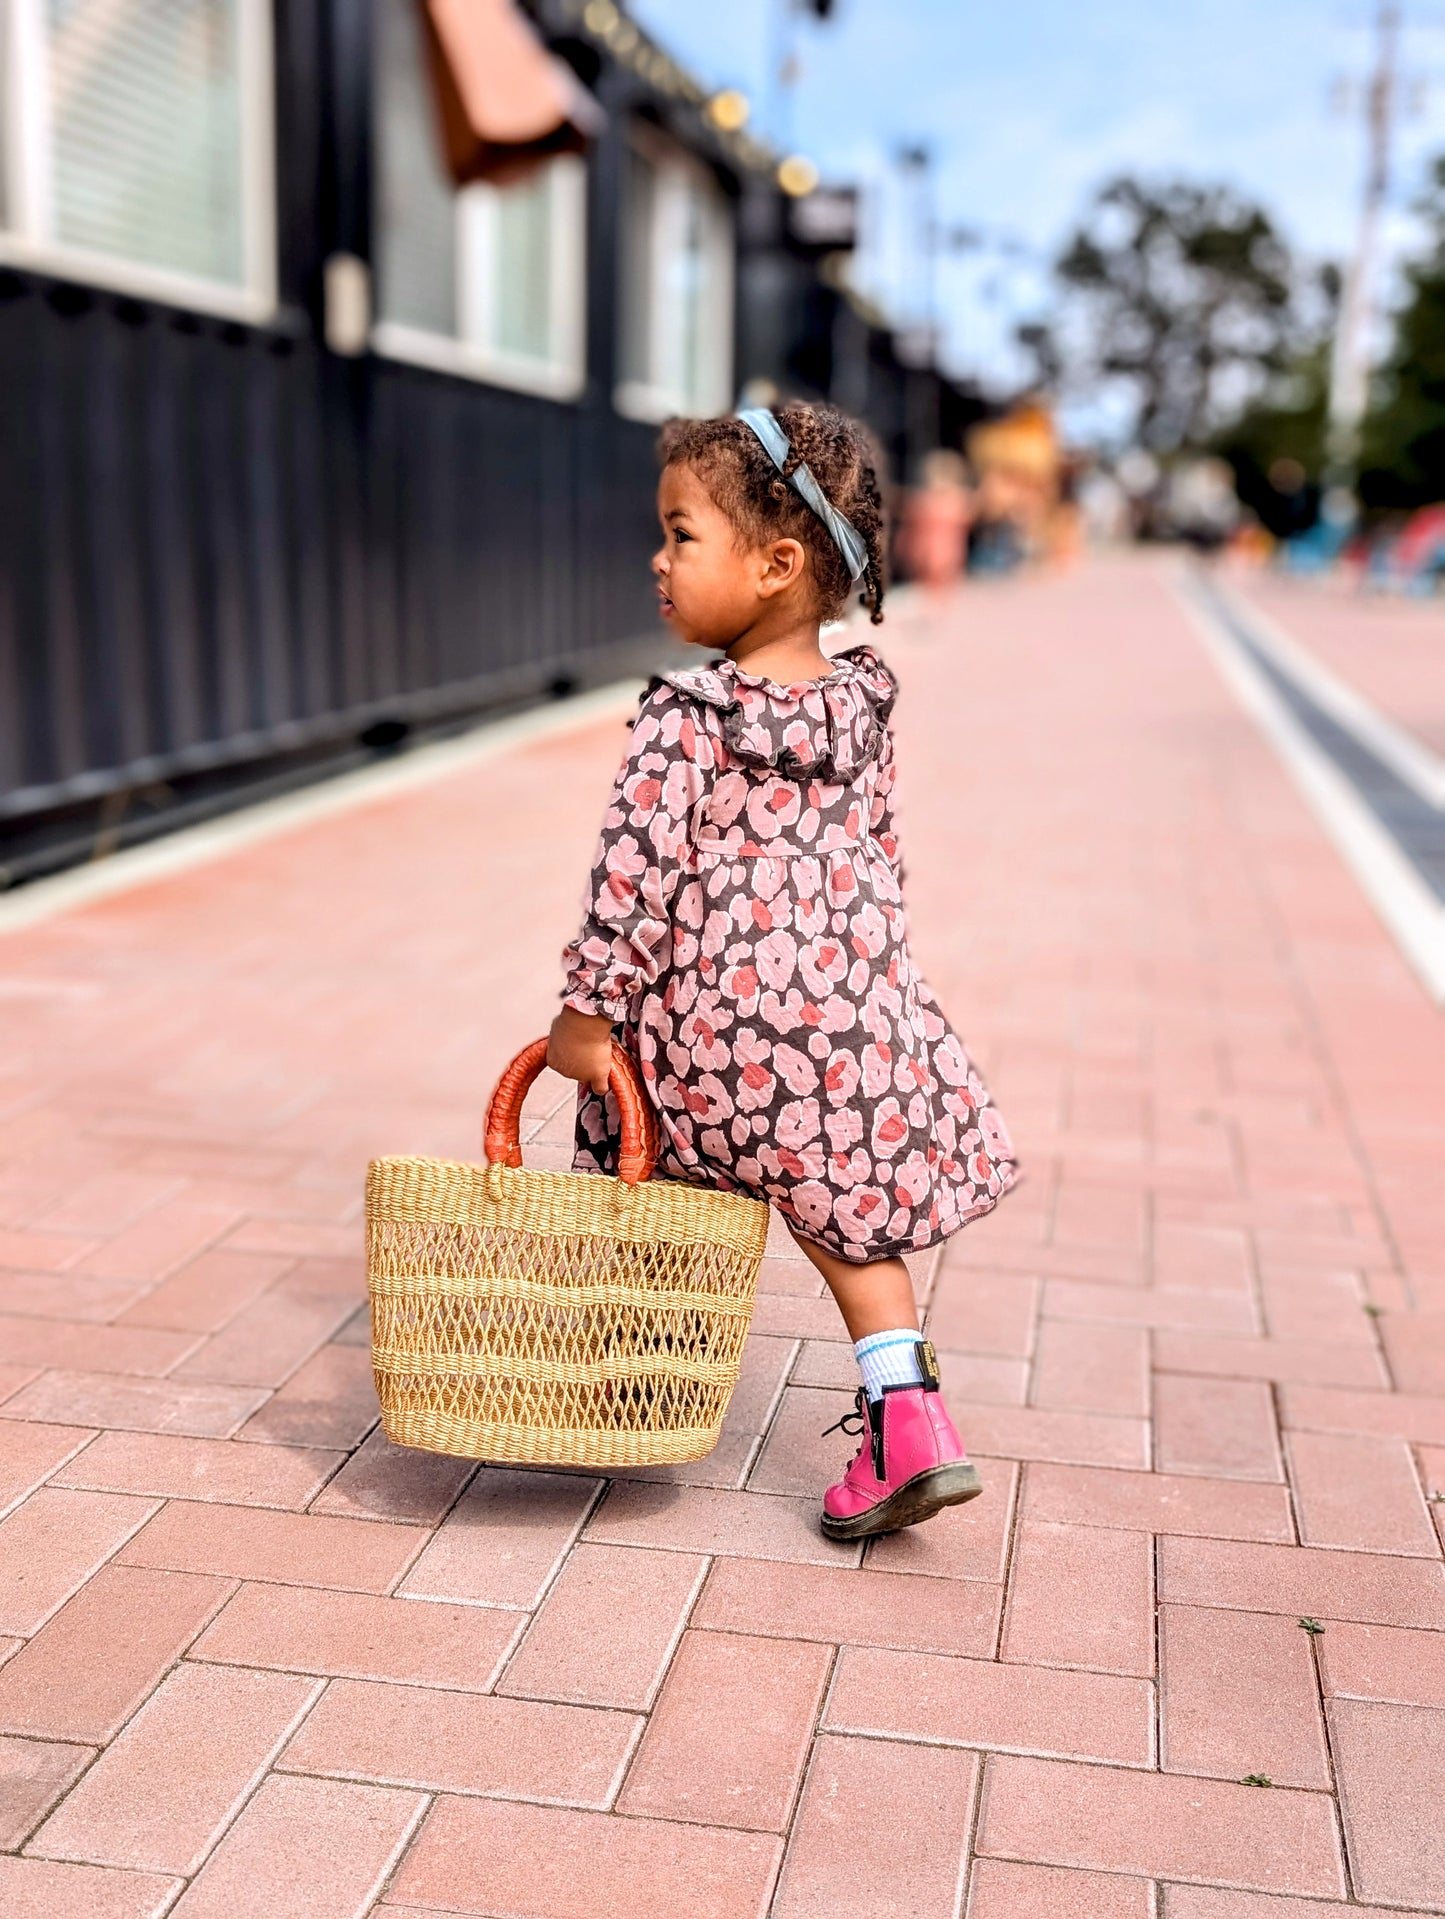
point(225, 550)
point(219, 542)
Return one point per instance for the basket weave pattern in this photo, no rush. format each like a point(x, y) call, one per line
point(556, 1318)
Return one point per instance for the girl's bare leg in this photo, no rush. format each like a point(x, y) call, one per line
point(877, 1298)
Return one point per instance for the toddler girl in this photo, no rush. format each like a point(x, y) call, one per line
point(744, 927)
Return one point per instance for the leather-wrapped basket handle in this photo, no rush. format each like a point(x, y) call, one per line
point(639, 1133)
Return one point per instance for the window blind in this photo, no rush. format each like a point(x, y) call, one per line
point(143, 130)
point(676, 287)
point(416, 244)
point(523, 266)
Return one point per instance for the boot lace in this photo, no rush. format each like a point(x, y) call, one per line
point(850, 1423)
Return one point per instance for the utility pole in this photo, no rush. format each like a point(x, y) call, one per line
point(915, 167)
point(1350, 368)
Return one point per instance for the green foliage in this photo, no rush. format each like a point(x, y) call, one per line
point(1286, 427)
point(1184, 296)
point(1312, 1626)
point(1402, 459)
point(1256, 1779)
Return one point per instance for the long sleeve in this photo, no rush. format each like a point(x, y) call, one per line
point(625, 936)
point(881, 823)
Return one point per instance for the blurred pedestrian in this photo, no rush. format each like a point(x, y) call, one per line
point(1202, 503)
point(1017, 459)
point(744, 930)
point(933, 538)
point(1103, 507)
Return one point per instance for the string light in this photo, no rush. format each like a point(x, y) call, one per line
point(797, 176)
point(729, 110)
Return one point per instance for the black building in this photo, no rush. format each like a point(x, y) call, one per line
point(302, 446)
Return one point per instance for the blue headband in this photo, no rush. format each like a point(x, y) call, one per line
point(848, 540)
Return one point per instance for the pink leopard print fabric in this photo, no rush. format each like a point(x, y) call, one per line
point(745, 928)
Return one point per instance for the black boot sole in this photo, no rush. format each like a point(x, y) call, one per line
point(916, 1499)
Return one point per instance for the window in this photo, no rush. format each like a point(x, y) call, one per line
point(489, 281)
point(136, 146)
point(677, 285)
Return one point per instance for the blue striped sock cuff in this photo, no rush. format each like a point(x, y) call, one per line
point(889, 1359)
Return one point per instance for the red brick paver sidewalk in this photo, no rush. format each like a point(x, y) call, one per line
point(1385, 647)
point(256, 1663)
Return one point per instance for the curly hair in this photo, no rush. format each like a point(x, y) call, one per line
point(730, 461)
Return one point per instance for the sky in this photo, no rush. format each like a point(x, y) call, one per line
point(1029, 105)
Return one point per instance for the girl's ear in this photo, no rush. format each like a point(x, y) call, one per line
point(784, 564)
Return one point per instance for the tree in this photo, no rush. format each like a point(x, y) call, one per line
point(1278, 446)
point(1402, 462)
point(1177, 299)
point(1040, 342)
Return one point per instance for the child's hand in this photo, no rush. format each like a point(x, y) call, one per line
point(580, 1047)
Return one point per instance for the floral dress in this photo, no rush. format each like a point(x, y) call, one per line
point(744, 928)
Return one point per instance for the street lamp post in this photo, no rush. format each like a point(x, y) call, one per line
point(784, 67)
point(915, 165)
point(1350, 366)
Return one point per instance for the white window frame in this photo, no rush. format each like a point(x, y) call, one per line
point(26, 240)
point(470, 353)
point(658, 399)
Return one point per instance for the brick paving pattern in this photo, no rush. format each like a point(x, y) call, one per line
point(1385, 647)
point(254, 1661)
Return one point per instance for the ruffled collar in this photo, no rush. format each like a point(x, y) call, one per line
point(828, 729)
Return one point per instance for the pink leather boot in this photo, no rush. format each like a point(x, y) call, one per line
point(910, 1465)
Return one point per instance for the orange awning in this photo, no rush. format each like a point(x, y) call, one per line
point(505, 102)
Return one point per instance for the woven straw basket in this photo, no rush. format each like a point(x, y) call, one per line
point(557, 1318)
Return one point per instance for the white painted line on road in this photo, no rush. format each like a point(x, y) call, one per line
point(191, 846)
point(1409, 910)
point(1408, 758)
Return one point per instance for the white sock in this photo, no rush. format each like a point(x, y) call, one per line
point(889, 1359)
